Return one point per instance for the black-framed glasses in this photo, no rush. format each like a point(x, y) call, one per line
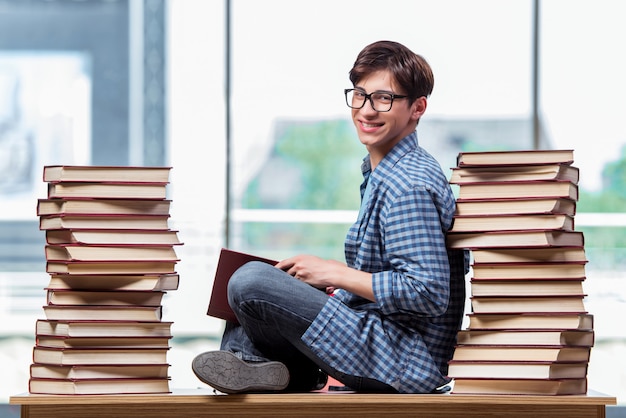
point(381, 101)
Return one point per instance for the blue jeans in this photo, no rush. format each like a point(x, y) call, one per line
point(274, 311)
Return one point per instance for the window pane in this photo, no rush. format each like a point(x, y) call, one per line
point(63, 100)
point(583, 107)
point(294, 144)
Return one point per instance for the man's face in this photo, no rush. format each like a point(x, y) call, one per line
point(380, 131)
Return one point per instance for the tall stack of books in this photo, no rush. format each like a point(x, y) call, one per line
point(528, 332)
point(111, 259)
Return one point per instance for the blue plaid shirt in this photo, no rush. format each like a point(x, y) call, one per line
point(407, 336)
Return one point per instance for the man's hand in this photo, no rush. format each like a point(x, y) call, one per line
point(328, 275)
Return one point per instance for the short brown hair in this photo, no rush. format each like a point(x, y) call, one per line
point(410, 70)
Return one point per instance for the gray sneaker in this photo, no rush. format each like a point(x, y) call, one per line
point(229, 374)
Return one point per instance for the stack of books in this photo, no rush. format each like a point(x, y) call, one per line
point(111, 258)
point(528, 332)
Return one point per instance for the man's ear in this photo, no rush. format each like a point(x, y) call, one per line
point(419, 107)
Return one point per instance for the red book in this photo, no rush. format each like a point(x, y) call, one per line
point(515, 222)
point(531, 321)
point(120, 174)
point(100, 312)
point(515, 157)
point(111, 267)
point(517, 370)
point(95, 206)
point(112, 356)
point(519, 189)
point(229, 261)
point(523, 172)
point(98, 386)
point(520, 386)
point(107, 222)
point(111, 190)
point(527, 304)
point(539, 270)
point(516, 239)
point(112, 237)
point(77, 252)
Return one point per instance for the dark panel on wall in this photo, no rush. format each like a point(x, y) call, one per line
point(97, 27)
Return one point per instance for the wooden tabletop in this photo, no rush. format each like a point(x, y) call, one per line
point(207, 396)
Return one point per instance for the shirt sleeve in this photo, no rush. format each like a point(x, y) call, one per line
point(418, 280)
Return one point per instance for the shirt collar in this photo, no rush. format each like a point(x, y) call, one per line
point(408, 144)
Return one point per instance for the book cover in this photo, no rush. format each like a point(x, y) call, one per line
point(545, 270)
point(107, 190)
point(99, 371)
point(541, 387)
point(88, 355)
point(516, 206)
point(60, 341)
point(517, 370)
point(462, 175)
point(531, 321)
point(98, 386)
point(98, 328)
point(110, 267)
point(521, 353)
point(508, 337)
point(229, 261)
point(530, 255)
point(77, 252)
point(478, 223)
point(106, 222)
point(154, 282)
point(511, 239)
point(113, 237)
point(530, 287)
point(95, 312)
point(515, 157)
point(104, 297)
point(96, 206)
point(519, 189)
point(524, 304)
point(84, 173)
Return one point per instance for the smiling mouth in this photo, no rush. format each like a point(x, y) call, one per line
point(371, 125)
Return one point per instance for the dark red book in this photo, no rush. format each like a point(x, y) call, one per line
point(229, 261)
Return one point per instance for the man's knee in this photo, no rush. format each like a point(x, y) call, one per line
point(247, 278)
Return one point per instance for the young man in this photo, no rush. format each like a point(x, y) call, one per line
point(398, 303)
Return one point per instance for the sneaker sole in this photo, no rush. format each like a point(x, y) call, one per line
point(227, 373)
